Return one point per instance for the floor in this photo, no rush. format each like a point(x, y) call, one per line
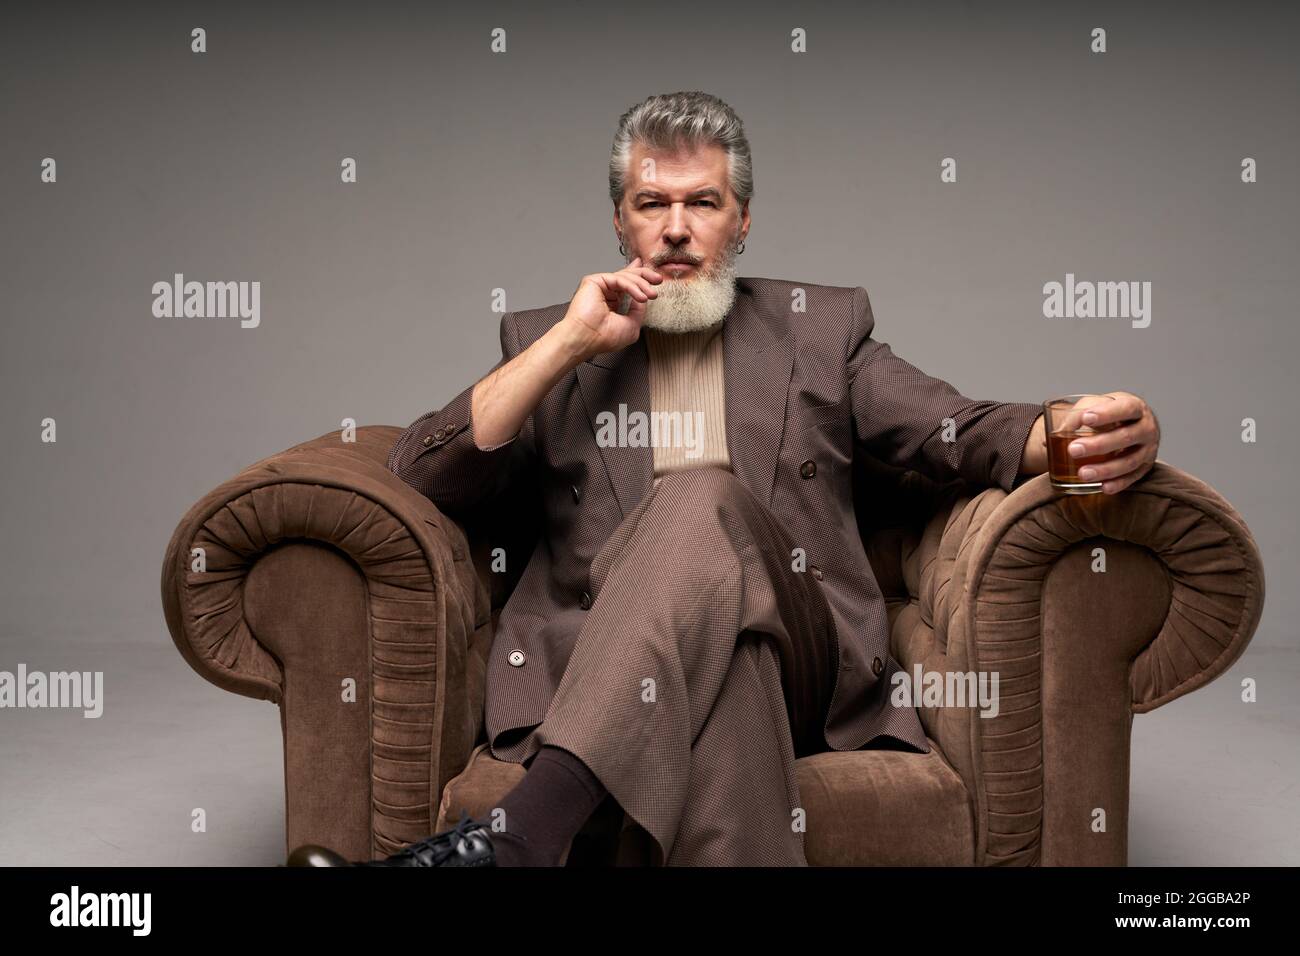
point(1214, 781)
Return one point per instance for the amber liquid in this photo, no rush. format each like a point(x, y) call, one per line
point(1064, 467)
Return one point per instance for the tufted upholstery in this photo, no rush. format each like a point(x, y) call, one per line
point(1014, 583)
point(322, 566)
point(415, 619)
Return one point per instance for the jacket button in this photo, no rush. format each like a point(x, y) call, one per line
point(439, 434)
point(448, 429)
point(816, 571)
point(808, 468)
point(877, 666)
point(517, 658)
point(586, 600)
point(576, 495)
point(428, 440)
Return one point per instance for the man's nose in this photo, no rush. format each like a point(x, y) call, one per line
point(675, 229)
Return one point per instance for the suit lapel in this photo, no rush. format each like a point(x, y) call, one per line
point(757, 361)
point(606, 381)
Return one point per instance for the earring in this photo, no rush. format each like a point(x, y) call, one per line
point(740, 249)
point(621, 251)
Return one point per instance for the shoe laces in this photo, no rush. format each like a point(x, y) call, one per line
point(432, 851)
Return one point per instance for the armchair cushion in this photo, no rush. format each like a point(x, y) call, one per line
point(874, 807)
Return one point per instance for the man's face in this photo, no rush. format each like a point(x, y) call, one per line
point(679, 215)
point(678, 208)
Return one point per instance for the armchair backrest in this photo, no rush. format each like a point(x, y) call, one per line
point(893, 506)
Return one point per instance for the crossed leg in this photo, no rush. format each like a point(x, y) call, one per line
point(705, 666)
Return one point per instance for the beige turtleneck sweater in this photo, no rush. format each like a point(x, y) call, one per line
point(686, 376)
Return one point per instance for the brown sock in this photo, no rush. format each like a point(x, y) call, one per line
point(546, 809)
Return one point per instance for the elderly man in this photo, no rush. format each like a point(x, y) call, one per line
point(699, 611)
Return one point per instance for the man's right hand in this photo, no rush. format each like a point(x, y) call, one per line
point(593, 323)
point(504, 398)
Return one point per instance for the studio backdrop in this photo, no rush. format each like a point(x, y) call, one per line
point(380, 182)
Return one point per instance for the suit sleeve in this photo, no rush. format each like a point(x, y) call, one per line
point(899, 416)
point(438, 456)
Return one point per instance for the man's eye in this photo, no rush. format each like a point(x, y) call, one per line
point(707, 202)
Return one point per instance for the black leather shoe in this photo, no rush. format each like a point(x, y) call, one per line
point(466, 844)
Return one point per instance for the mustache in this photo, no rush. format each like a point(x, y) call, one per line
point(681, 257)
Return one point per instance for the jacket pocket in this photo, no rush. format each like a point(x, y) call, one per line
point(819, 415)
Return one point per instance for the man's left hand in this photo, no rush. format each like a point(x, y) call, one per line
point(1138, 436)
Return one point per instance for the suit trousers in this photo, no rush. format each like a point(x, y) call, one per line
point(704, 668)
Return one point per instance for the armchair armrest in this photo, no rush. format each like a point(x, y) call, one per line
point(1081, 639)
point(318, 565)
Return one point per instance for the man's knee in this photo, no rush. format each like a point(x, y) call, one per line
point(696, 493)
point(693, 521)
point(701, 512)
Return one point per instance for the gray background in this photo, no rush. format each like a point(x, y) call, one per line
point(479, 171)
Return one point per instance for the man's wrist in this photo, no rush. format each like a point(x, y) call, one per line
point(1033, 459)
point(566, 345)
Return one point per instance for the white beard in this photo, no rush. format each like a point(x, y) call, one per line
point(687, 305)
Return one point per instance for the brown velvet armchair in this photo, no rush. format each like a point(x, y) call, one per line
point(317, 570)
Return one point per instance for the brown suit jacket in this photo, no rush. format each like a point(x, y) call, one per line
point(803, 390)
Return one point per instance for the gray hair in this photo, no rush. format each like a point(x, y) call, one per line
point(669, 120)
